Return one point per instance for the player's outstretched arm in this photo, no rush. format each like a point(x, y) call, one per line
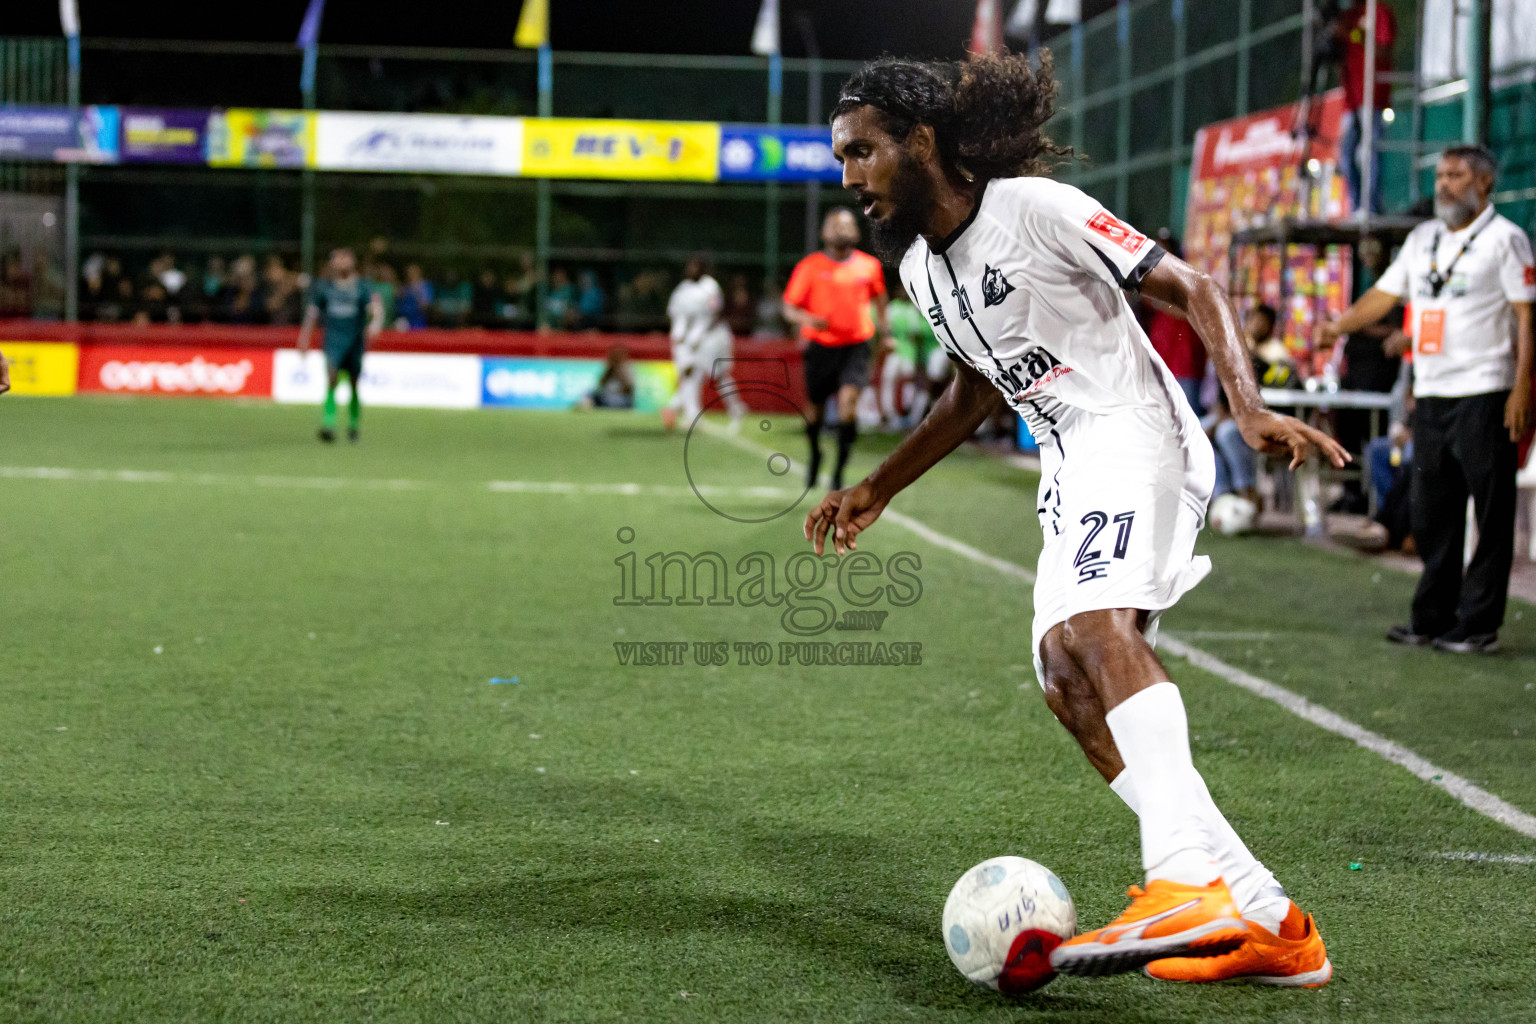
point(963, 407)
point(307, 328)
point(1214, 319)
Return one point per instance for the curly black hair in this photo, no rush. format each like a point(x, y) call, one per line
point(986, 112)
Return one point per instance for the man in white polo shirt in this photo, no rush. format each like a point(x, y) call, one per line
point(1470, 279)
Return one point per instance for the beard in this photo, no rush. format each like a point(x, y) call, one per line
point(1458, 211)
point(910, 198)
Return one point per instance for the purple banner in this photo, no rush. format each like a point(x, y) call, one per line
point(164, 135)
point(59, 133)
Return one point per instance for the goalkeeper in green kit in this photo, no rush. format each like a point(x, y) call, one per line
point(354, 314)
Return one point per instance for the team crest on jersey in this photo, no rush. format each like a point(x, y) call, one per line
point(1117, 231)
point(994, 287)
point(962, 300)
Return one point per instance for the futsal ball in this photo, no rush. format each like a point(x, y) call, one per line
point(1232, 514)
point(1002, 920)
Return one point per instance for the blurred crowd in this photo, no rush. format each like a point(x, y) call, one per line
point(272, 290)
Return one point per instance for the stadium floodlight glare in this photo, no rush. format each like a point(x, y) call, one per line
point(1388, 115)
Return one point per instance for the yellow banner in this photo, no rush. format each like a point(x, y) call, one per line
point(627, 150)
point(42, 368)
point(262, 138)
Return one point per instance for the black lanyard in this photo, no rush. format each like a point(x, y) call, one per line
point(1436, 280)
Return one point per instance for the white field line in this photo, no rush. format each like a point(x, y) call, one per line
point(1473, 796)
point(1488, 858)
point(327, 483)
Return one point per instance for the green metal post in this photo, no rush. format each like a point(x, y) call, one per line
point(771, 196)
point(544, 209)
point(72, 201)
point(1176, 134)
point(1123, 109)
point(1075, 82)
point(1474, 110)
point(1244, 53)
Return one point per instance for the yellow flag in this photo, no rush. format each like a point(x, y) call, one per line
point(533, 24)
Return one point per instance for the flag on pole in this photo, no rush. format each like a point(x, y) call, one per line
point(309, 42)
point(69, 18)
point(1022, 21)
point(987, 30)
point(533, 25)
point(765, 35)
point(1064, 12)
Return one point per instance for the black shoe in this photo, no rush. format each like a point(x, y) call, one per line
point(1406, 636)
point(1459, 641)
point(837, 480)
point(352, 434)
point(811, 473)
point(327, 435)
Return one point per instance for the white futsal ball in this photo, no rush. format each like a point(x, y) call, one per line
point(1002, 920)
point(1232, 514)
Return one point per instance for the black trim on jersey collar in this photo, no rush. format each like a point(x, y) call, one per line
point(954, 236)
point(1138, 273)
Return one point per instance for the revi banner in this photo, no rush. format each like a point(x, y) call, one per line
point(622, 150)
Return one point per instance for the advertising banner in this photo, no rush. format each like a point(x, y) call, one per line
point(42, 368)
point(164, 135)
point(560, 383)
point(622, 150)
point(418, 142)
point(261, 138)
point(156, 370)
point(766, 153)
point(403, 379)
point(59, 134)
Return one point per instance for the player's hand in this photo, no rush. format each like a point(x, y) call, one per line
point(1274, 434)
point(1517, 413)
point(1396, 343)
point(5, 374)
point(847, 514)
point(815, 323)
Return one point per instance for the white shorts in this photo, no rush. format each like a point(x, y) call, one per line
point(1122, 500)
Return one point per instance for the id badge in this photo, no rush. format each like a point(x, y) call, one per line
point(1431, 336)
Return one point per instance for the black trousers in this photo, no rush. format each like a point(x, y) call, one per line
point(1461, 448)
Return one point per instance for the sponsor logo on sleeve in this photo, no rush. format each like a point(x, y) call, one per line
point(1117, 231)
point(1530, 276)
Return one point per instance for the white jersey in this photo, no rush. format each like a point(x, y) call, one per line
point(1461, 284)
point(694, 309)
point(1029, 292)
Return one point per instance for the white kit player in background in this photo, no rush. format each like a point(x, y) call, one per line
point(701, 347)
point(1023, 280)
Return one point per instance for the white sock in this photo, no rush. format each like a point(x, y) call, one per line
point(1259, 897)
point(1152, 733)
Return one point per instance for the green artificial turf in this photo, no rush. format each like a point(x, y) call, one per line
point(253, 765)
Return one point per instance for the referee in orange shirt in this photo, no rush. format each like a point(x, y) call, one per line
point(829, 298)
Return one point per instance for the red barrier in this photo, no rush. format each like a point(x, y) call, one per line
point(158, 370)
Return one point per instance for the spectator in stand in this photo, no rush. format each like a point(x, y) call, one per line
point(122, 305)
point(1472, 282)
point(284, 301)
point(1237, 465)
point(484, 300)
point(520, 293)
point(739, 309)
point(414, 300)
point(768, 322)
point(591, 302)
point(15, 287)
point(386, 286)
point(1349, 30)
point(247, 301)
point(453, 299)
point(1175, 341)
point(214, 289)
point(559, 303)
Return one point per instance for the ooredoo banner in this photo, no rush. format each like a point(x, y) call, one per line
point(404, 379)
point(418, 142)
point(148, 370)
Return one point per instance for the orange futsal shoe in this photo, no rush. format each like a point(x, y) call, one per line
point(1164, 920)
point(1294, 958)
